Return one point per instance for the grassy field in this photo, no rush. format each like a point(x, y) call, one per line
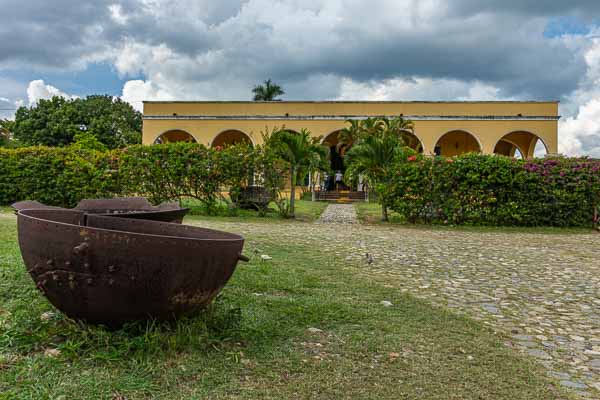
point(306, 210)
point(256, 341)
point(371, 213)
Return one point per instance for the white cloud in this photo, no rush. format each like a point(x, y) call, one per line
point(579, 130)
point(117, 14)
point(582, 129)
point(418, 89)
point(137, 91)
point(38, 89)
point(317, 49)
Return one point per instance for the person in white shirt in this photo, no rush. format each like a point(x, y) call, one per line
point(338, 179)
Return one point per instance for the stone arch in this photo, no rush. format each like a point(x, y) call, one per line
point(332, 138)
point(332, 142)
point(508, 149)
point(457, 142)
point(522, 141)
point(230, 137)
point(412, 140)
point(174, 136)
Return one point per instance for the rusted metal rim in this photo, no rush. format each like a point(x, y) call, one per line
point(129, 227)
point(126, 207)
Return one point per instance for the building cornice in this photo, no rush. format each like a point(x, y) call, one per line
point(353, 117)
point(352, 102)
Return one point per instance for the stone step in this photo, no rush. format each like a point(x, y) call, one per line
point(341, 195)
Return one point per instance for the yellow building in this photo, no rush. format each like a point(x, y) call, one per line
point(445, 128)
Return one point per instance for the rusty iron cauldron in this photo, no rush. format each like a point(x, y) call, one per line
point(110, 270)
point(129, 207)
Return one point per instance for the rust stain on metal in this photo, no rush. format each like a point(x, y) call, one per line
point(124, 269)
point(195, 299)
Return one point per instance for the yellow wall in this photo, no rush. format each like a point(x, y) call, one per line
point(488, 122)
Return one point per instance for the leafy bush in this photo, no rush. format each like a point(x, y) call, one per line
point(63, 176)
point(470, 189)
point(174, 171)
point(56, 176)
point(496, 190)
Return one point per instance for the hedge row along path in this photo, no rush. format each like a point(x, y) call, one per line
point(541, 292)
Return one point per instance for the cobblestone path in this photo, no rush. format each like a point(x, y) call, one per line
point(339, 214)
point(542, 291)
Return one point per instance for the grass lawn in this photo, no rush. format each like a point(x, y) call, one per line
point(370, 213)
point(255, 342)
point(306, 210)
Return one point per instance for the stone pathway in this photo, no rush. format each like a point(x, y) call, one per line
point(338, 214)
point(542, 291)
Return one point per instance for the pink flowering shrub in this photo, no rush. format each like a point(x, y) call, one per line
point(495, 190)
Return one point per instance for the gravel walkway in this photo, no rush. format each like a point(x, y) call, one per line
point(338, 214)
point(541, 290)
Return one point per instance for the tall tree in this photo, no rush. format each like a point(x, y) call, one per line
point(267, 91)
point(302, 153)
point(55, 122)
point(377, 143)
point(5, 132)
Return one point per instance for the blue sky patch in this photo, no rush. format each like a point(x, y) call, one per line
point(97, 78)
point(567, 25)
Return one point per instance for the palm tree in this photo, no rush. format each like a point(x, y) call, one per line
point(359, 129)
point(372, 158)
point(350, 134)
point(397, 126)
point(268, 91)
point(377, 143)
point(303, 153)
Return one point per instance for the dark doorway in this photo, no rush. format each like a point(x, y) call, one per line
point(334, 181)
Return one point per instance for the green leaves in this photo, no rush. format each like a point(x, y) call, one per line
point(494, 190)
point(377, 143)
point(268, 91)
point(173, 171)
point(64, 175)
point(56, 176)
point(57, 121)
point(298, 154)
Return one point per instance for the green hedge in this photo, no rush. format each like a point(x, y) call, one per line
point(471, 189)
point(62, 176)
point(174, 171)
point(496, 190)
point(56, 175)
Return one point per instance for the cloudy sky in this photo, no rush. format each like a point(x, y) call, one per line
point(316, 49)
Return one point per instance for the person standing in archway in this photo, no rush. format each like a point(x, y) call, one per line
point(338, 179)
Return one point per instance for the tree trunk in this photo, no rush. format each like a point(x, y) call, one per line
point(384, 212)
point(293, 192)
point(313, 193)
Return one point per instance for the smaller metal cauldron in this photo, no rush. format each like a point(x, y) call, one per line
point(129, 207)
point(110, 270)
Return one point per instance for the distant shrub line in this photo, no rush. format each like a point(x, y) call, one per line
point(62, 176)
point(470, 189)
point(494, 190)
